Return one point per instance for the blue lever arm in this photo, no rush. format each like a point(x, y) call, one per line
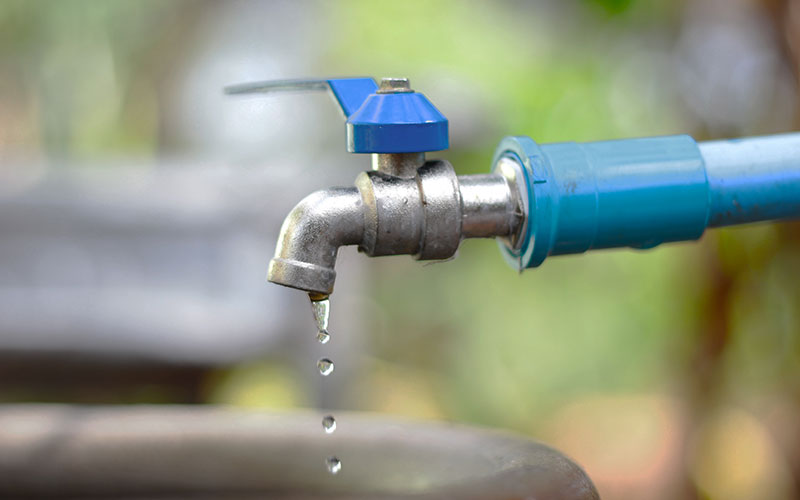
point(350, 93)
point(378, 121)
point(643, 192)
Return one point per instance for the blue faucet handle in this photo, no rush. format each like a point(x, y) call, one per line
point(350, 93)
point(391, 118)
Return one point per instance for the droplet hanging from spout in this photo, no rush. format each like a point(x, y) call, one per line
point(321, 309)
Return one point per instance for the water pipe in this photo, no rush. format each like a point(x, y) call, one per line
point(643, 192)
point(538, 200)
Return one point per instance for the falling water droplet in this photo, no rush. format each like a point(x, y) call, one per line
point(325, 366)
point(328, 424)
point(334, 465)
point(321, 310)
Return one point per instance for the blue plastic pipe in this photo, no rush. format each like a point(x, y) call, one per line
point(643, 192)
point(754, 179)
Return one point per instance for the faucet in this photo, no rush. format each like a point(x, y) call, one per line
point(537, 201)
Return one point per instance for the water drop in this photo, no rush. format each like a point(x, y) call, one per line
point(328, 424)
point(321, 310)
point(325, 366)
point(323, 337)
point(334, 465)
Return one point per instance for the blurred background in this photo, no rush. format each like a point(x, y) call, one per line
point(139, 207)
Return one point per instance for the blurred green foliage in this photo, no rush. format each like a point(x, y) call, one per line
point(83, 73)
point(535, 77)
point(612, 6)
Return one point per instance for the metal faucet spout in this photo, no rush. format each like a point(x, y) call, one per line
point(310, 238)
point(426, 215)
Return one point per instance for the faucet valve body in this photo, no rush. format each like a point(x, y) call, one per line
point(420, 216)
point(426, 216)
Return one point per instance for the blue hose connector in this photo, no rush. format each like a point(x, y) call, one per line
point(643, 192)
